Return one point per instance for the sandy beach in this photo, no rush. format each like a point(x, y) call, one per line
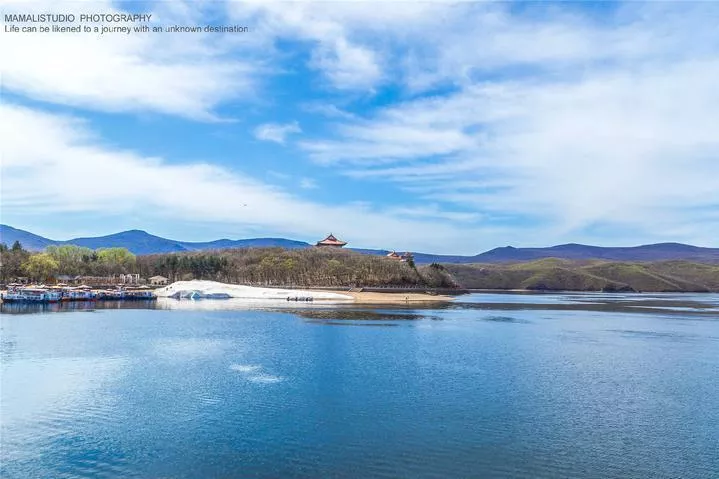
point(397, 298)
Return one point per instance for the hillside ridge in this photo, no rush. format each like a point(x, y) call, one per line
point(596, 275)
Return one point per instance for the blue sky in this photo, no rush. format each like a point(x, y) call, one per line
point(433, 126)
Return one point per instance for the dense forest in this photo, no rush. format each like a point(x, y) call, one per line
point(251, 266)
point(293, 267)
point(320, 267)
point(566, 275)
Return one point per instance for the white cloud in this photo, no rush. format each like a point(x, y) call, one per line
point(179, 74)
point(341, 35)
point(601, 124)
point(348, 66)
point(72, 172)
point(420, 45)
point(620, 147)
point(573, 121)
point(308, 184)
point(432, 210)
point(276, 132)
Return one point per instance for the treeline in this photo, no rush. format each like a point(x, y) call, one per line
point(252, 266)
point(16, 262)
point(295, 267)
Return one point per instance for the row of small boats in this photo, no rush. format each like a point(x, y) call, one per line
point(40, 294)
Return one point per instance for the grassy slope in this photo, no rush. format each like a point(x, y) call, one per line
point(705, 274)
point(556, 274)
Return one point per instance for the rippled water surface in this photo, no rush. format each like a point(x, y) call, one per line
point(551, 386)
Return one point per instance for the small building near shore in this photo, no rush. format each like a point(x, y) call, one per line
point(158, 281)
point(331, 242)
point(130, 278)
point(68, 279)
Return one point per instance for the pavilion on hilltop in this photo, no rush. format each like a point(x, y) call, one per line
point(332, 242)
point(401, 257)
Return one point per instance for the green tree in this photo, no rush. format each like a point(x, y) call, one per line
point(116, 260)
point(70, 258)
point(41, 267)
point(11, 261)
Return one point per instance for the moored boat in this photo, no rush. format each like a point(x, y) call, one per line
point(124, 295)
point(31, 295)
point(139, 294)
point(78, 295)
point(110, 294)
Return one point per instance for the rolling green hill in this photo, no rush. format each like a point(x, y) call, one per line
point(566, 275)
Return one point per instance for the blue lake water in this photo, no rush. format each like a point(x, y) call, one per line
point(545, 386)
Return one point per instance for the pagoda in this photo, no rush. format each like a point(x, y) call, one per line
point(332, 242)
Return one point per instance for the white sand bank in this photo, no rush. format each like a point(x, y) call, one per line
point(205, 288)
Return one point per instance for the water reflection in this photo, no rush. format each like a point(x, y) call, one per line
point(503, 319)
point(664, 335)
point(353, 323)
point(70, 306)
point(360, 314)
point(263, 391)
point(690, 305)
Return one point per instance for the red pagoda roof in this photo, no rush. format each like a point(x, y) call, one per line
point(331, 241)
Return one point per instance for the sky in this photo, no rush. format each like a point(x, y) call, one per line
point(444, 127)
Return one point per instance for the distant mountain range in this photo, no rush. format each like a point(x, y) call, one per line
point(141, 242)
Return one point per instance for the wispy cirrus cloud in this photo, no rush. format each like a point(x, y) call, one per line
point(308, 184)
point(341, 36)
point(612, 130)
point(276, 132)
point(511, 123)
point(176, 74)
point(70, 170)
point(619, 148)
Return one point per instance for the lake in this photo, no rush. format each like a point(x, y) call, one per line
point(492, 385)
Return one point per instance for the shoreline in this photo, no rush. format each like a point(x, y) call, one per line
point(579, 291)
point(366, 297)
point(207, 289)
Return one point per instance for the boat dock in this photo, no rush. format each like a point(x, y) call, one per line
point(54, 294)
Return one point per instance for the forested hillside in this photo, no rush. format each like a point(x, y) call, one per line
point(293, 267)
point(320, 267)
